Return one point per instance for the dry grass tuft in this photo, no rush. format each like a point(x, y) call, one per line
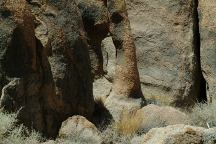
point(122, 131)
point(129, 123)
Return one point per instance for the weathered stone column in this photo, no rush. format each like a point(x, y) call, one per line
point(126, 92)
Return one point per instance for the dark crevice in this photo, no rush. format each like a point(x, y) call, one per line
point(116, 18)
point(202, 95)
point(101, 116)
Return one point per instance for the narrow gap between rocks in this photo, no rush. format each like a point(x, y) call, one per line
point(202, 96)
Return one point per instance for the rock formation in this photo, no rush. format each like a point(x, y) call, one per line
point(160, 116)
point(101, 17)
point(44, 63)
point(96, 23)
point(25, 72)
point(179, 134)
point(207, 11)
point(167, 38)
point(79, 129)
point(53, 52)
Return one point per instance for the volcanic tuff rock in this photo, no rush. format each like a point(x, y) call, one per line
point(45, 91)
point(207, 12)
point(166, 37)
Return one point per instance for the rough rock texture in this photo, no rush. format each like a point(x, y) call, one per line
point(78, 127)
point(25, 72)
point(109, 53)
point(179, 134)
point(101, 17)
point(126, 92)
point(96, 23)
point(156, 116)
point(207, 11)
point(126, 81)
point(102, 86)
point(165, 34)
point(44, 91)
point(70, 62)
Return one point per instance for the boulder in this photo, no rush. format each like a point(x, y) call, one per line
point(160, 116)
point(207, 11)
point(180, 134)
point(78, 129)
point(165, 34)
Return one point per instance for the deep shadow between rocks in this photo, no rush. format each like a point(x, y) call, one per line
point(101, 116)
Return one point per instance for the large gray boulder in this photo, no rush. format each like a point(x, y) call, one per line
point(179, 134)
point(160, 116)
point(165, 34)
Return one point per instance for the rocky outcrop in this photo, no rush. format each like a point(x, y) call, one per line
point(96, 23)
point(78, 129)
point(167, 40)
point(126, 89)
point(207, 11)
point(101, 18)
point(70, 62)
point(24, 68)
point(179, 134)
point(44, 63)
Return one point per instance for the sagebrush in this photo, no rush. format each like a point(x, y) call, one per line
point(10, 133)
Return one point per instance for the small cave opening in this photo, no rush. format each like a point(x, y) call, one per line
point(202, 95)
